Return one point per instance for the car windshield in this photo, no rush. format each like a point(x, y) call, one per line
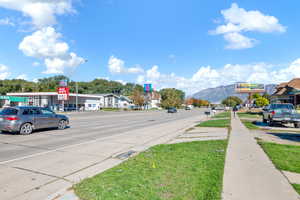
point(282, 106)
point(9, 111)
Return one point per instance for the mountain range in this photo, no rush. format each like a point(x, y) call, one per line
point(217, 94)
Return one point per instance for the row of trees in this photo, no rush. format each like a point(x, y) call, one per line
point(97, 86)
point(197, 102)
point(170, 97)
point(258, 100)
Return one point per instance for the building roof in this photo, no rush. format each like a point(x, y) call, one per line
point(295, 83)
point(284, 88)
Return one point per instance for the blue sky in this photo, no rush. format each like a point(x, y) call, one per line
point(190, 45)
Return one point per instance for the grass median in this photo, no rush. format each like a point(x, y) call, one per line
point(222, 115)
point(284, 157)
point(185, 171)
point(249, 124)
point(248, 115)
point(219, 123)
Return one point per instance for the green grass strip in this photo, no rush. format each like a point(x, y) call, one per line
point(222, 115)
point(219, 123)
point(248, 115)
point(184, 171)
point(285, 157)
point(297, 187)
point(250, 125)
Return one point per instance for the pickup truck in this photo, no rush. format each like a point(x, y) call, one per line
point(283, 113)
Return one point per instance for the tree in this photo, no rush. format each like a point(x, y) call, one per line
point(232, 101)
point(138, 97)
point(171, 97)
point(262, 101)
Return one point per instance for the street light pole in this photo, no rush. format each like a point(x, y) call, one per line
point(76, 84)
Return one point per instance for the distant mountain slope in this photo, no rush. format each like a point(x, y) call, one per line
point(216, 95)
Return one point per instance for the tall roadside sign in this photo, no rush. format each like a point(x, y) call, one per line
point(148, 89)
point(63, 93)
point(250, 89)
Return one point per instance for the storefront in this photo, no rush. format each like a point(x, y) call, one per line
point(83, 101)
point(13, 101)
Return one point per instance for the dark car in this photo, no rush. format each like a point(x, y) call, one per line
point(172, 110)
point(26, 119)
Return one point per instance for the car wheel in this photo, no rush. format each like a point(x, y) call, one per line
point(297, 125)
point(265, 121)
point(62, 124)
point(271, 123)
point(26, 129)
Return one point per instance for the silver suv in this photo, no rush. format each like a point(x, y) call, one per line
point(281, 113)
point(26, 119)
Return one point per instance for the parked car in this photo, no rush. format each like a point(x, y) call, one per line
point(25, 120)
point(281, 113)
point(172, 110)
point(188, 108)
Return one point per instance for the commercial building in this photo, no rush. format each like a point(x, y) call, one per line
point(83, 101)
point(288, 92)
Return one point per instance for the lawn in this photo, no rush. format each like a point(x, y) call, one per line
point(222, 115)
point(250, 125)
point(185, 171)
point(248, 115)
point(110, 109)
point(284, 157)
point(297, 187)
point(219, 123)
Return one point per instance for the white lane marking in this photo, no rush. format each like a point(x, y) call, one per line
point(73, 145)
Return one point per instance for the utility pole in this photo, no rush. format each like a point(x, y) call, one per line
point(76, 84)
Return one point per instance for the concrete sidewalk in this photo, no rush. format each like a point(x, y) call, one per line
point(249, 174)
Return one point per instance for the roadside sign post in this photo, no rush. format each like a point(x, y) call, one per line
point(250, 89)
point(63, 95)
point(148, 90)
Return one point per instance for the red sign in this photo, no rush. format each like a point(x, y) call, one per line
point(63, 93)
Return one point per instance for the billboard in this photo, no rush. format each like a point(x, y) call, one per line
point(148, 88)
point(63, 93)
point(63, 83)
point(249, 88)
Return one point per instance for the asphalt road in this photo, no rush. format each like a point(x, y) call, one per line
point(84, 127)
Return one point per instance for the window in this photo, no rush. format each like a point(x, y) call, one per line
point(46, 111)
point(9, 111)
point(35, 111)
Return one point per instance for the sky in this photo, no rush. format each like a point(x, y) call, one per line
point(190, 45)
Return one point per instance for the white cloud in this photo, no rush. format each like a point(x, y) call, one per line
point(238, 20)
point(4, 74)
point(207, 76)
point(153, 73)
point(45, 44)
point(117, 66)
point(6, 21)
point(59, 65)
point(238, 41)
point(42, 12)
point(36, 64)
point(122, 82)
point(22, 76)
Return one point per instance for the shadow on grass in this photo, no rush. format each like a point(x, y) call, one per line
point(295, 137)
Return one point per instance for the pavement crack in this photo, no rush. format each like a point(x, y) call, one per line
point(41, 173)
